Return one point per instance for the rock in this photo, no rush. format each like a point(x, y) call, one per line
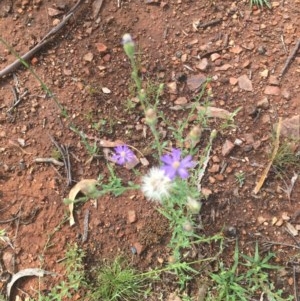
point(238, 142)
point(273, 80)
point(2, 134)
point(290, 127)
point(67, 72)
point(264, 103)
point(272, 90)
point(218, 62)
point(88, 57)
point(219, 177)
point(214, 169)
point(206, 192)
point(291, 229)
point(173, 297)
point(181, 101)
point(264, 74)
point(202, 292)
point(203, 65)
point(286, 94)
point(246, 64)
point(8, 261)
point(245, 83)
point(107, 57)
point(227, 147)
point(266, 119)
point(194, 82)
point(214, 112)
point(172, 87)
point(250, 46)
point(216, 159)
point(261, 219)
point(249, 138)
point(55, 22)
point(236, 49)
point(225, 67)
point(261, 50)
point(53, 12)
point(131, 216)
point(233, 81)
point(138, 247)
point(215, 56)
point(211, 180)
point(102, 48)
point(256, 144)
point(106, 90)
point(184, 57)
point(279, 222)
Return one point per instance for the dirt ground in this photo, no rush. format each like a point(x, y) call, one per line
point(243, 50)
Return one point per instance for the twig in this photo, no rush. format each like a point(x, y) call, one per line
point(292, 236)
point(85, 226)
point(45, 40)
point(208, 53)
point(275, 150)
point(209, 23)
point(290, 59)
point(280, 244)
point(295, 284)
point(17, 99)
point(283, 44)
point(48, 160)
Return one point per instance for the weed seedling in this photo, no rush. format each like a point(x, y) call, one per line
point(286, 157)
point(257, 275)
point(229, 122)
point(240, 178)
point(228, 282)
point(260, 3)
point(74, 278)
point(118, 281)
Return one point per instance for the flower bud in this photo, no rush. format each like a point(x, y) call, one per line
point(128, 45)
point(187, 226)
point(193, 205)
point(193, 137)
point(213, 134)
point(151, 117)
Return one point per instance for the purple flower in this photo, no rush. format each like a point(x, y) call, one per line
point(175, 166)
point(123, 155)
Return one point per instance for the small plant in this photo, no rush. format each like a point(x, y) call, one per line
point(260, 3)
point(114, 184)
point(240, 178)
point(286, 157)
point(118, 281)
point(227, 282)
point(75, 277)
point(229, 122)
point(92, 149)
point(257, 275)
point(246, 280)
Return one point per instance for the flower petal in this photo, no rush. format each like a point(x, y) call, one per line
point(170, 172)
point(183, 173)
point(176, 153)
point(167, 159)
point(187, 162)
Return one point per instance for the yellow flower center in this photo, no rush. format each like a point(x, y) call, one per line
point(176, 164)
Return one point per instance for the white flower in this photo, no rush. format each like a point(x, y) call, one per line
point(156, 185)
